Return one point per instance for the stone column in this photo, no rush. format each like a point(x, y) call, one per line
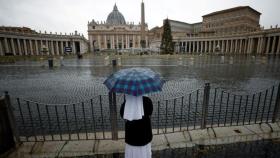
point(31, 46)
point(105, 42)
point(205, 47)
point(99, 42)
point(210, 46)
point(273, 45)
point(19, 47)
point(259, 45)
point(245, 46)
point(25, 47)
point(37, 48)
point(139, 40)
point(133, 41)
point(202, 46)
point(122, 41)
point(13, 46)
point(61, 48)
point(214, 46)
point(90, 43)
point(1, 49)
point(240, 46)
point(216, 42)
point(250, 46)
point(236, 49)
point(74, 48)
point(278, 46)
point(57, 48)
point(262, 45)
point(231, 46)
point(197, 46)
point(127, 41)
point(235, 46)
point(41, 46)
point(52, 47)
point(267, 45)
point(112, 41)
point(227, 46)
point(223, 46)
point(6, 45)
point(187, 46)
point(193, 46)
point(117, 41)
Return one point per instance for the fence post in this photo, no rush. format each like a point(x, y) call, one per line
point(277, 105)
point(6, 135)
point(113, 115)
point(11, 117)
point(205, 105)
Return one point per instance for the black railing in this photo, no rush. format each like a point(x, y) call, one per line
point(98, 118)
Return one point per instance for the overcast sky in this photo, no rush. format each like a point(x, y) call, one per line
point(69, 15)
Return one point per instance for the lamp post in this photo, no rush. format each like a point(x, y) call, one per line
point(45, 51)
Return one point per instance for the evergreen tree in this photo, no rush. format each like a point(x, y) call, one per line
point(167, 45)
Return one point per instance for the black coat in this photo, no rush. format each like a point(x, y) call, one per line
point(139, 132)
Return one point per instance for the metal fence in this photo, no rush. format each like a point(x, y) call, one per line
point(98, 118)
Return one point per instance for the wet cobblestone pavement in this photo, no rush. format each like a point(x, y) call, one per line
point(81, 80)
point(254, 149)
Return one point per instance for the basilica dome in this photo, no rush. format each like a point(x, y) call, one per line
point(115, 17)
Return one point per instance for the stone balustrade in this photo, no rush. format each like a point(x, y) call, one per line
point(20, 43)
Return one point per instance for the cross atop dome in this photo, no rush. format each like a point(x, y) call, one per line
point(115, 7)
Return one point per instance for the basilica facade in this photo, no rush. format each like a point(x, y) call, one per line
point(117, 33)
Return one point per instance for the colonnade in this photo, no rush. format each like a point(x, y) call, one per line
point(24, 45)
point(115, 41)
point(264, 44)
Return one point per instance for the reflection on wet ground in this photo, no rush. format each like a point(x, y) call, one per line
point(256, 149)
point(82, 79)
point(79, 80)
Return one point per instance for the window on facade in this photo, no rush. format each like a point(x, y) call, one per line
point(93, 27)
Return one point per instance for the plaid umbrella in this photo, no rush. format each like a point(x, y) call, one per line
point(134, 81)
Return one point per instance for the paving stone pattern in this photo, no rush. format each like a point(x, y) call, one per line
point(61, 91)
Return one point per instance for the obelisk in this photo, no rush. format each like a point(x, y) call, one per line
point(143, 40)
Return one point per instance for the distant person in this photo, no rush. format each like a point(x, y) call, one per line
point(138, 131)
point(61, 60)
